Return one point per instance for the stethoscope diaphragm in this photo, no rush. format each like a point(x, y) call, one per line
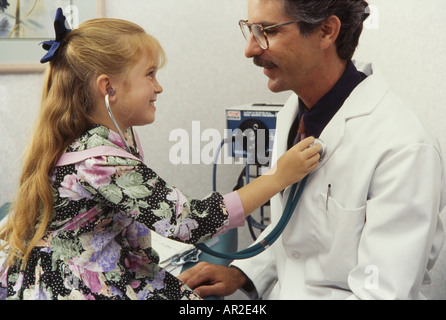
point(323, 150)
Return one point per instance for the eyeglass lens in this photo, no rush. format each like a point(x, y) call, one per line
point(256, 31)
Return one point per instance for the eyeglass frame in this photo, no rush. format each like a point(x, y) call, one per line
point(262, 28)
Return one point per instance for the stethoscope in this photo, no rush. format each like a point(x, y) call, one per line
point(107, 106)
point(295, 194)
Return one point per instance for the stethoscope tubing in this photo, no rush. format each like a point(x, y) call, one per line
point(262, 245)
point(296, 192)
point(107, 106)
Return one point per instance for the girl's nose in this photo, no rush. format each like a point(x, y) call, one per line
point(158, 88)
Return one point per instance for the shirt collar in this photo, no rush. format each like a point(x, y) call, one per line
point(317, 118)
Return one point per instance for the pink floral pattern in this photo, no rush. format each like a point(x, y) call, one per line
point(98, 244)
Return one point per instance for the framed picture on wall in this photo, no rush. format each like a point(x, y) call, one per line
point(24, 24)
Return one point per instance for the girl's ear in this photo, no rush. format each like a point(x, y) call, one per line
point(104, 86)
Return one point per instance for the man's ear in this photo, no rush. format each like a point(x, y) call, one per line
point(105, 87)
point(330, 31)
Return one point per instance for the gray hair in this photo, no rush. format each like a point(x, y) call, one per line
point(312, 13)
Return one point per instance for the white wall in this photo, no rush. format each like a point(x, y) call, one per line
point(207, 72)
point(409, 47)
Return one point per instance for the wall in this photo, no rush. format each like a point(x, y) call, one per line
point(207, 72)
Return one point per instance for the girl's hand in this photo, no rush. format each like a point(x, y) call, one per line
point(292, 167)
point(297, 162)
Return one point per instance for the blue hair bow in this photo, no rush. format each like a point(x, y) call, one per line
point(60, 23)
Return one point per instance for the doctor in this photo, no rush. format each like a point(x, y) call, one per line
point(367, 225)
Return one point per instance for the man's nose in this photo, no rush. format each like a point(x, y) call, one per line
point(252, 48)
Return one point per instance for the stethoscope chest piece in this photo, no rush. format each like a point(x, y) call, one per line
point(323, 150)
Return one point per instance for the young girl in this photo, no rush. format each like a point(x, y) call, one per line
point(80, 225)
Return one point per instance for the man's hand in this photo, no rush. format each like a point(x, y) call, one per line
point(213, 280)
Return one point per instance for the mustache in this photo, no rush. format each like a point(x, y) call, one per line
point(263, 63)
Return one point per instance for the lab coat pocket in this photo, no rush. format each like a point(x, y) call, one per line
point(339, 232)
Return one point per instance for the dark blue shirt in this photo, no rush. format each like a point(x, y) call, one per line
point(317, 118)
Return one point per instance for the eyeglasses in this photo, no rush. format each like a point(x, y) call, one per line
point(259, 31)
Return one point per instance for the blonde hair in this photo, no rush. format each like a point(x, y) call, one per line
point(98, 46)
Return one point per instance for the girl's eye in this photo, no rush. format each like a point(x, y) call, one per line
point(151, 73)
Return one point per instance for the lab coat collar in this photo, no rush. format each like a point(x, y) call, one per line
point(317, 118)
point(374, 87)
point(362, 101)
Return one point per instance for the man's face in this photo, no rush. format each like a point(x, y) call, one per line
point(291, 59)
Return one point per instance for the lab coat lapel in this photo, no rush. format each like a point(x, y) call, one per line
point(285, 119)
point(362, 101)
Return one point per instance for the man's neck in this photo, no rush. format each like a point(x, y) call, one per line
point(325, 79)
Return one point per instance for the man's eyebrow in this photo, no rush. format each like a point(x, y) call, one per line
point(267, 24)
point(264, 23)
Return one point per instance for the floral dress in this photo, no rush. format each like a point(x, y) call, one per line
point(98, 242)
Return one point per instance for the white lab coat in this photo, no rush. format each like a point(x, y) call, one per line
point(377, 232)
